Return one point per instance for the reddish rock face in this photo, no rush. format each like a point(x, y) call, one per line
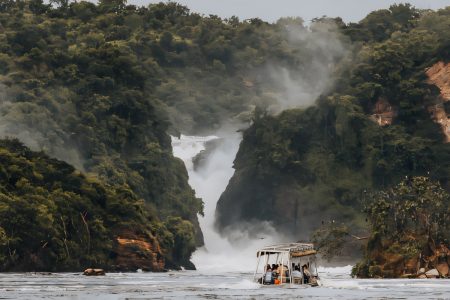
point(137, 251)
point(383, 112)
point(389, 264)
point(439, 75)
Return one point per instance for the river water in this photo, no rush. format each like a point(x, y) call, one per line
point(224, 265)
point(205, 285)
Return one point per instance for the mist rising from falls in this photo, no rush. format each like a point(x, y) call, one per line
point(209, 180)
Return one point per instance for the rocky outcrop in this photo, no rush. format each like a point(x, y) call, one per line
point(385, 262)
point(383, 113)
point(137, 251)
point(439, 75)
point(94, 272)
point(440, 116)
point(409, 231)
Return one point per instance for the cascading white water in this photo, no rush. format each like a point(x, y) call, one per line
point(209, 181)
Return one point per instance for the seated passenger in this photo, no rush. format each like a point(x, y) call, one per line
point(275, 270)
point(297, 275)
point(279, 269)
point(306, 273)
point(286, 271)
point(268, 276)
point(287, 274)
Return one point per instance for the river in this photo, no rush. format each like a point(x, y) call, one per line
point(205, 285)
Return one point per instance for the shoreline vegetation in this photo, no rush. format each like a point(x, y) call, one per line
point(89, 93)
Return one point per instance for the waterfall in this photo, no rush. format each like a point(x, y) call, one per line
point(209, 180)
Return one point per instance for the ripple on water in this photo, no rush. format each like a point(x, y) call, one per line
point(191, 284)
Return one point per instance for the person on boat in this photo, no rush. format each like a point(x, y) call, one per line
point(275, 270)
point(306, 274)
point(282, 272)
point(268, 276)
point(297, 275)
point(279, 269)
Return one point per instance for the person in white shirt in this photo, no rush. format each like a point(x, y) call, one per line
point(268, 278)
point(297, 275)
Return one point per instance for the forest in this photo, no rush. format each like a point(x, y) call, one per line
point(384, 119)
point(101, 86)
point(91, 92)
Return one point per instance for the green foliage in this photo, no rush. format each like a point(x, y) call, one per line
point(417, 206)
point(305, 166)
point(54, 218)
point(81, 82)
point(183, 238)
point(99, 86)
point(404, 221)
point(331, 239)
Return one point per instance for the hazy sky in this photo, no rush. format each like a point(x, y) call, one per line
point(271, 10)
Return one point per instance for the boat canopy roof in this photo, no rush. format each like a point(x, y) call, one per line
point(293, 249)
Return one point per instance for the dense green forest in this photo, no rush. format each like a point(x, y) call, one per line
point(91, 92)
point(307, 167)
point(99, 86)
point(54, 218)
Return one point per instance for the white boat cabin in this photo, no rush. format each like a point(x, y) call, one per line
point(290, 263)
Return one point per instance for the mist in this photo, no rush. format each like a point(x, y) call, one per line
point(320, 49)
point(34, 126)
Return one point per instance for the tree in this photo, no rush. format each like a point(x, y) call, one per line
point(114, 6)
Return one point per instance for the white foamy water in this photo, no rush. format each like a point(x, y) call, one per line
point(209, 181)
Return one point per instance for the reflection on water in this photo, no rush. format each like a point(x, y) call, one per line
point(198, 285)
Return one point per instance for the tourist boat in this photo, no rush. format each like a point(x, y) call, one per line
point(296, 265)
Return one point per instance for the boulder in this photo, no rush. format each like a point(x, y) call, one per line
point(94, 272)
point(443, 269)
point(433, 273)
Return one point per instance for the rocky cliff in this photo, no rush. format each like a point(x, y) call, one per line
point(383, 119)
point(439, 75)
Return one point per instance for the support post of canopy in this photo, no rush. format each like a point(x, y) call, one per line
point(282, 267)
point(315, 266)
point(267, 260)
point(290, 269)
point(257, 265)
point(301, 271)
